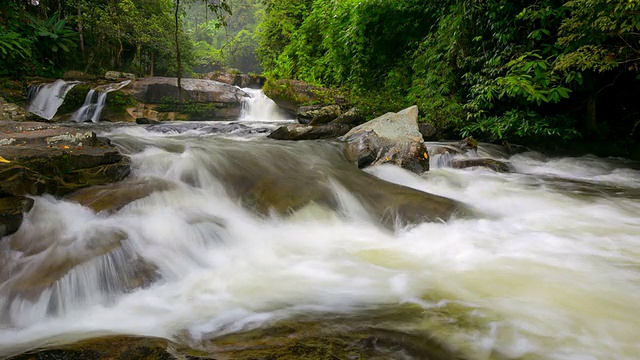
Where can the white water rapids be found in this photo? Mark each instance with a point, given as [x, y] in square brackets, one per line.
[549, 269]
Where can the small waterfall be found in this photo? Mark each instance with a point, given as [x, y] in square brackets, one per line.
[258, 107]
[90, 110]
[45, 99]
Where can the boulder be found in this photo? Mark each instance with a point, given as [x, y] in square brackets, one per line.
[317, 114]
[157, 89]
[37, 158]
[391, 138]
[220, 76]
[116, 75]
[351, 117]
[309, 132]
[428, 131]
[291, 94]
[252, 81]
[77, 75]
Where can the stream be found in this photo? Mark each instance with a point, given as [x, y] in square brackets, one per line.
[547, 268]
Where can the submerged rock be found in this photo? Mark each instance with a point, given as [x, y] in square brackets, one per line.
[309, 132]
[12, 209]
[492, 164]
[296, 180]
[146, 121]
[115, 196]
[391, 138]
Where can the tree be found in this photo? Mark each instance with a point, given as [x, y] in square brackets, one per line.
[219, 9]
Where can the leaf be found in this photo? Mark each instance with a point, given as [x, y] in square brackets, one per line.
[3, 160]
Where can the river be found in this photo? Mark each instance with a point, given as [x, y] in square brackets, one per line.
[548, 268]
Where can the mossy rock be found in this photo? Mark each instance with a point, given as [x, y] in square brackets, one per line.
[74, 99]
[118, 101]
[291, 94]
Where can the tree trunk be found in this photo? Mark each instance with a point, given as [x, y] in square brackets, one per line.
[81, 35]
[592, 117]
[177, 14]
[197, 34]
[153, 59]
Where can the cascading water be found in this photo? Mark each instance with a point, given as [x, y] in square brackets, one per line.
[44, 100]
[548, 268]
[93, 105]
[258, 107]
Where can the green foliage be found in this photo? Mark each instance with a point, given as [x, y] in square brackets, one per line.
[520, 125]
[12, 45]
[53, 34]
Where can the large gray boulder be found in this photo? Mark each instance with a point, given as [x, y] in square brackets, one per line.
[391, 138]
[154, 90]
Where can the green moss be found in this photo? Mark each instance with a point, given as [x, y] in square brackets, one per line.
[118, 101]
[194, 111]
[283, 89]
[74, 99]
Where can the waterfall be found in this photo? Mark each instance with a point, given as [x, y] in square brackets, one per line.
[258, 107]
[90, 110]
[45, 99]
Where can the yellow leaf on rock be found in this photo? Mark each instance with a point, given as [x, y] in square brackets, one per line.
[3, 160]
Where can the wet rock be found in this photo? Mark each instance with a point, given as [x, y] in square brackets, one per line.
[212, 128]
[38, 158]
[318, 114]
[113, 197]
[351, 117]
[468, 144]
[260, 186]
[392, 138]
[111, 348]
[492, 164]
[309, 132]
[12, 209]
[428, 131]
[146, 121]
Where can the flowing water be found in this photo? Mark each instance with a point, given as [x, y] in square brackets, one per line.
[94, 102]
[45, 99]
[548, 268]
